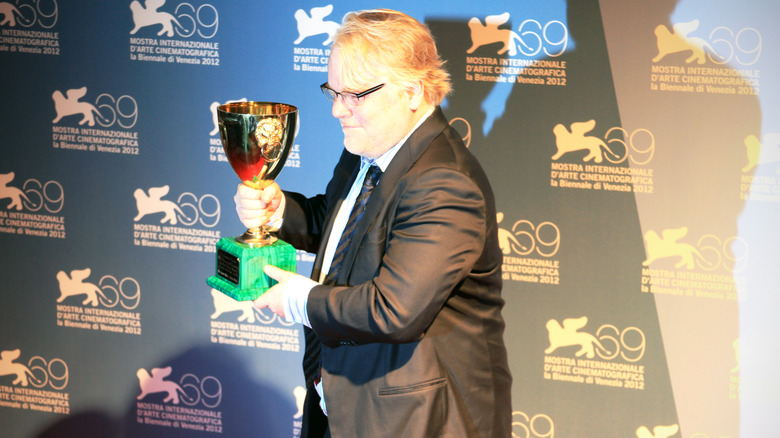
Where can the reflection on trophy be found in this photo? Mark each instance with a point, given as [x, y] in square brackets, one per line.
[257, 137]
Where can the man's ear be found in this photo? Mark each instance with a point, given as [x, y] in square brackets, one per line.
[416, 96]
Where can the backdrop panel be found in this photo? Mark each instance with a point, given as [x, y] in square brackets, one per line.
[634, 148]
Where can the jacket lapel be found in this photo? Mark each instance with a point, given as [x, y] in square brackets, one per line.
[407, 155]
[346, 172]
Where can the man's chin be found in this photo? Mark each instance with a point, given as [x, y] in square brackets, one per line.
[354, 147]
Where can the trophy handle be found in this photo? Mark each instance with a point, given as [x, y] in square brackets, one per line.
[268, 135]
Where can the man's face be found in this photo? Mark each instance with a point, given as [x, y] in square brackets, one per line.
[379, 122]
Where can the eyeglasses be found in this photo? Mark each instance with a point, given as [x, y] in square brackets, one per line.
[351, 99]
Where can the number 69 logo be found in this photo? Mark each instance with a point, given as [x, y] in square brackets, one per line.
[538, 426]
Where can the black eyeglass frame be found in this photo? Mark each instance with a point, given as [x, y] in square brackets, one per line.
[326, 90]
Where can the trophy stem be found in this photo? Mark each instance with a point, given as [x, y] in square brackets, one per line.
[258, 236]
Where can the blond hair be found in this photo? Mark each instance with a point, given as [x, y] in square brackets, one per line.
[383, 42]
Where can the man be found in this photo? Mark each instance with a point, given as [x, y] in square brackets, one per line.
[407, 339]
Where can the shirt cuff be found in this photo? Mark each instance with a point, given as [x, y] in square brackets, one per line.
[295, 299]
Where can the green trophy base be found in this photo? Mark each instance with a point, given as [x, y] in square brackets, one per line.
[240, 267]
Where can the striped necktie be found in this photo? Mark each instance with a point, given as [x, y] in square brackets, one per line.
[370, 181]
[311, 357]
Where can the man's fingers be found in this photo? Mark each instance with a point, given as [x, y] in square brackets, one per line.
[248, 198]
[272, 300]
[250, 204]
[260, 302]
[276, 273]
[246, 192]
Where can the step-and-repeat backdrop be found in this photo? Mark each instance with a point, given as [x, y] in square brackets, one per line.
[634, 148]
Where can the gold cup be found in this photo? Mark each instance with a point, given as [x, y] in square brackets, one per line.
[256, 137]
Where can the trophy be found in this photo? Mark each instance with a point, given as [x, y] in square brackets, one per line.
[257, 137]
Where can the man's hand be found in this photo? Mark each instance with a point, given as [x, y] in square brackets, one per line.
[254, 206]
[273, 297]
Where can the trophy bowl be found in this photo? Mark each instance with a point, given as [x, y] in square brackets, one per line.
[256, 137]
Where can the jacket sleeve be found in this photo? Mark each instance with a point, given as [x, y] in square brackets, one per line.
[303, 221]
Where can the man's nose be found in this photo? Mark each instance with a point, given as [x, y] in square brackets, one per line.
[339, 108]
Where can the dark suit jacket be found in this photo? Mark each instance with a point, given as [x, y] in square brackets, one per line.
[412, 335]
